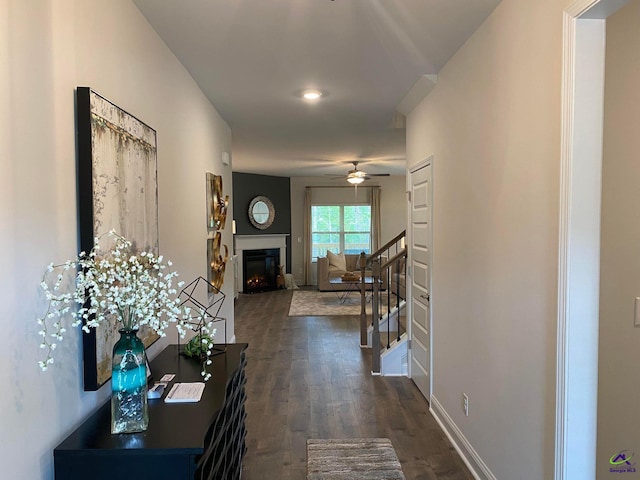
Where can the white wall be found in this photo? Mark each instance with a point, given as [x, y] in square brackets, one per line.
[48, 48]
[493, 125]
[619, 355]
[392, 211]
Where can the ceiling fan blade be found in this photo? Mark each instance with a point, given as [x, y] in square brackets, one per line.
[334, 177]
[378, 174]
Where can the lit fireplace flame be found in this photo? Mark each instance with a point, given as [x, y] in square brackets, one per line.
[257, 281]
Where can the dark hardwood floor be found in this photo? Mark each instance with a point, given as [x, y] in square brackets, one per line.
[308, 378]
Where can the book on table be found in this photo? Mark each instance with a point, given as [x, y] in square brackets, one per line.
[350, 277]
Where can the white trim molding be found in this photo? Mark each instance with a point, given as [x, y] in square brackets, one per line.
[566, 157]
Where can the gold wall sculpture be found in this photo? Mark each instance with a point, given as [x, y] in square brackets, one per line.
[217, 203]
[217, 260]
[217, 253]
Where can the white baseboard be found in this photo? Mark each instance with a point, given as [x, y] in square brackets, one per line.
[469, 456]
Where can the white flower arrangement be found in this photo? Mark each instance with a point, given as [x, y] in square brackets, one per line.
[115, 285]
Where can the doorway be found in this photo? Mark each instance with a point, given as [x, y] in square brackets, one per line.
[579, 244]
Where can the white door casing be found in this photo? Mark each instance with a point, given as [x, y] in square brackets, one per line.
[420, 277]
[578, 259]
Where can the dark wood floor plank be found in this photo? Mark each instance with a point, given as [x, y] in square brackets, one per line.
[307, 377]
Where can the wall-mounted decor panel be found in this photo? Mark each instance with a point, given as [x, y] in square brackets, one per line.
[117, 190]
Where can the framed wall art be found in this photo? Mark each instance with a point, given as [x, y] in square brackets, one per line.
[117, 189]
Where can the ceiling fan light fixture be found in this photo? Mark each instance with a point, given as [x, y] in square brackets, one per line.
[355, 179]
[311, 94]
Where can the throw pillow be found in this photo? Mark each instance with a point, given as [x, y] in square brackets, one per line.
[336, 261]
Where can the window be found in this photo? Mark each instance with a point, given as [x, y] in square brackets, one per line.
[340, 228]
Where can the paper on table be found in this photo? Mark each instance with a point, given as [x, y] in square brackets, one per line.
[185, 393]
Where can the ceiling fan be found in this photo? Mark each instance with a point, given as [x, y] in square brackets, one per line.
[356, 177]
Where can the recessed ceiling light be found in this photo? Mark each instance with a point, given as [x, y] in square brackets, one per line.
[312, 94]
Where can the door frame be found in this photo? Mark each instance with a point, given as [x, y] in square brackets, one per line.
[579, 237]
[430, 160]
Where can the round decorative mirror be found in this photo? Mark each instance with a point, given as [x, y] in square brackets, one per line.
[261, 212]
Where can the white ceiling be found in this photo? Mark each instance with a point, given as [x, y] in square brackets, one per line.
[252, 58]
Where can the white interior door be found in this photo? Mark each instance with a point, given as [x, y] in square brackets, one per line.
[420, 258]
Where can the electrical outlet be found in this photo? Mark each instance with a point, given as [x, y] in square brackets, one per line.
[465, 404]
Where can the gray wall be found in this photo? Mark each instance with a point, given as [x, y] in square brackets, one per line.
[247, 186]
[619, 352]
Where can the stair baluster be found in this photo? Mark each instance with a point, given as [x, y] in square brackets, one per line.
[375, 338]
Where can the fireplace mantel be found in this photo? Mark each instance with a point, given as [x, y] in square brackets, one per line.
[255, 242]
[250, 242]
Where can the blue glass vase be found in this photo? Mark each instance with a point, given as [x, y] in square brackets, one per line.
[129, 384]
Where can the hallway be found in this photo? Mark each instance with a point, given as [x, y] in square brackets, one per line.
[308, 378]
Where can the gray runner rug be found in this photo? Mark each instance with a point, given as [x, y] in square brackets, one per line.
[354, 458]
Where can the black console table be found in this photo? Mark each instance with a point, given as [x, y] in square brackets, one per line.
[204, 440]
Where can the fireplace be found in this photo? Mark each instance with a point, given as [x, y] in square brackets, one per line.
[246, 243]
[260, 269]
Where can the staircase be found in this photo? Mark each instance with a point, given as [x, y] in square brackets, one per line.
[385, 329]
[393, 341]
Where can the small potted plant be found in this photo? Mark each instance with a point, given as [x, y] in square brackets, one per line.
[199, 347]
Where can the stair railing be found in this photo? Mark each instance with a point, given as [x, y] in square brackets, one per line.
[382, 263]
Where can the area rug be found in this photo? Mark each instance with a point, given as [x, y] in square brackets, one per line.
[309, 303]
[355, 458]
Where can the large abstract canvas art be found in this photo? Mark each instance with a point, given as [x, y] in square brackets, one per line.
[117, 190]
